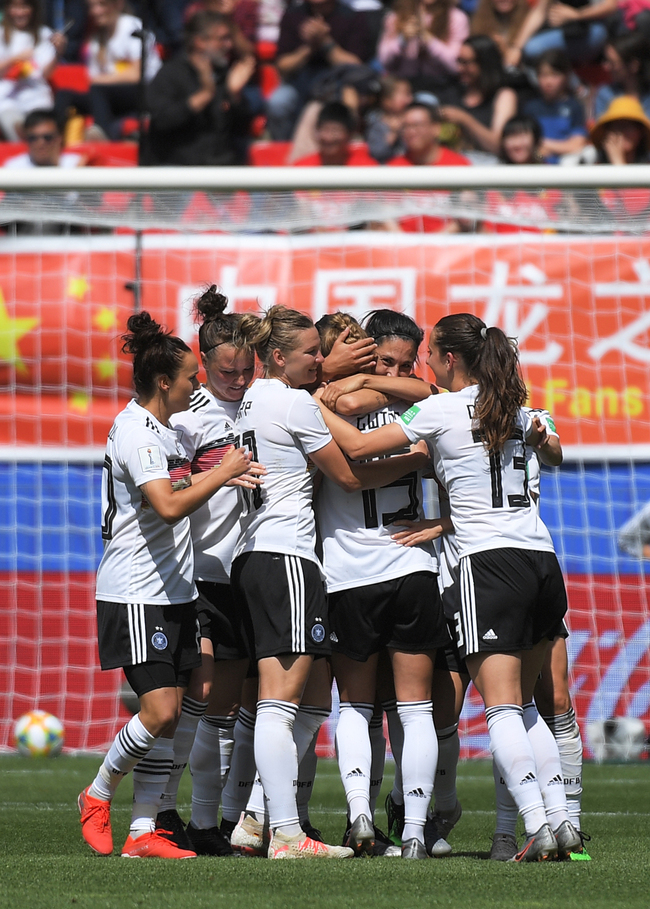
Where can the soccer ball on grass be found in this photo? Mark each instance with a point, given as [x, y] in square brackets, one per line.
[38, 734]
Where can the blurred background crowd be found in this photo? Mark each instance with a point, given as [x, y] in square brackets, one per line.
[324, 82]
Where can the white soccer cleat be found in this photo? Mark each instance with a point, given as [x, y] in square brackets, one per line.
[303, 847]
[248, 837]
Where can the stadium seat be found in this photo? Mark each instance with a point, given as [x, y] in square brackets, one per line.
[269, 154]
[70, 76]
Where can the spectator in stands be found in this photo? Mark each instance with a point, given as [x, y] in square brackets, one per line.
[628, 60]
[197, 112]
[334, 129]
[384, 123]
[28, 53]
[72, 16]
[113, 56]
[559, 113]
[242, 16]
[44, 144]
[480, 104]
[314, 36]
[520, 210]
[500, 20]
[520, 141]
[421, 140]
[577, 27]
[622, 134]
[421, 41]
[44, 149]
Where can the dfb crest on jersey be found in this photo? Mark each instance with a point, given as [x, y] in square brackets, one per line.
[318, 633]
[159, 641]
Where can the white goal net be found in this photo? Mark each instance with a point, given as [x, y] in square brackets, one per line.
[559, 260]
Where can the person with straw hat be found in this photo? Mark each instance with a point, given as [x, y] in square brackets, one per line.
[622, 134]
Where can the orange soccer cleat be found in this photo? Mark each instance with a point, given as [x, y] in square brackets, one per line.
[153, 845]
[96, 823]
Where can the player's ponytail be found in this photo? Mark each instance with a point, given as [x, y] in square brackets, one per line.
[155, 352]
[491, 358]
[276, 330]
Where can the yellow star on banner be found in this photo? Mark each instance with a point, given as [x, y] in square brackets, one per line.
[105, 319]
[79, 402]
[78, 286]
[106, 368]
[11, 331]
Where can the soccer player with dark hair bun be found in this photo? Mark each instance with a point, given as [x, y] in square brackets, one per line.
[205, 733]
[146, 616]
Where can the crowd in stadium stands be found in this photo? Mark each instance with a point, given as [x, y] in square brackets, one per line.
[325, 82]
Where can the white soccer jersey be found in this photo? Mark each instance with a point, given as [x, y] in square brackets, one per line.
[145, 560]
[282, 426]
[208, 431]
[355, 528]
[448, 556]
[534, 465]
[31, 90]
[122, 48]
[488, 495]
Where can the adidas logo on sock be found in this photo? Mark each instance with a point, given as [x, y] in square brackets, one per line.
[356, 772]
[416, 793]
[556, 781]
[529, 778]
[490, 635]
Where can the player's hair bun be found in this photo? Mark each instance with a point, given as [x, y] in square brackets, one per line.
[141, 332]
[210, 305]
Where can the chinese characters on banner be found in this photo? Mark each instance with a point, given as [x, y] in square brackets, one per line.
[580, 309]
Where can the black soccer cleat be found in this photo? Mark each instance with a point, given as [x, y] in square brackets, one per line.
[208, 842]
[170, 826]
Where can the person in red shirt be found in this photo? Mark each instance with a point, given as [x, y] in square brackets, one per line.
[334, 130]
[421, 141]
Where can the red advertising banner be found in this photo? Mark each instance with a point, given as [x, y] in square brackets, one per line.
[576, 306]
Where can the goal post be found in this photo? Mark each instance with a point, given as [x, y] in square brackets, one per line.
[557, 257]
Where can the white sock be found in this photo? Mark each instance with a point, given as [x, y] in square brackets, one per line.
[444, 787]
[308, 722]
[256, 804]
[239, 784]
[354, 756]
[209, 765]
[513, 752]
[306, 775]
[276, 758]
[396, 738]
[419, 760]
[566, 731]
[191, 713]
[378, 752]
[549, 768]
[130, 745]
[506, 809]
[150, 778]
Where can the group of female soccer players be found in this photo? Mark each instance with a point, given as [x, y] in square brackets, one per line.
[262, 534]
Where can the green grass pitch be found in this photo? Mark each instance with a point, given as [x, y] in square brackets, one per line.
[44, 863]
